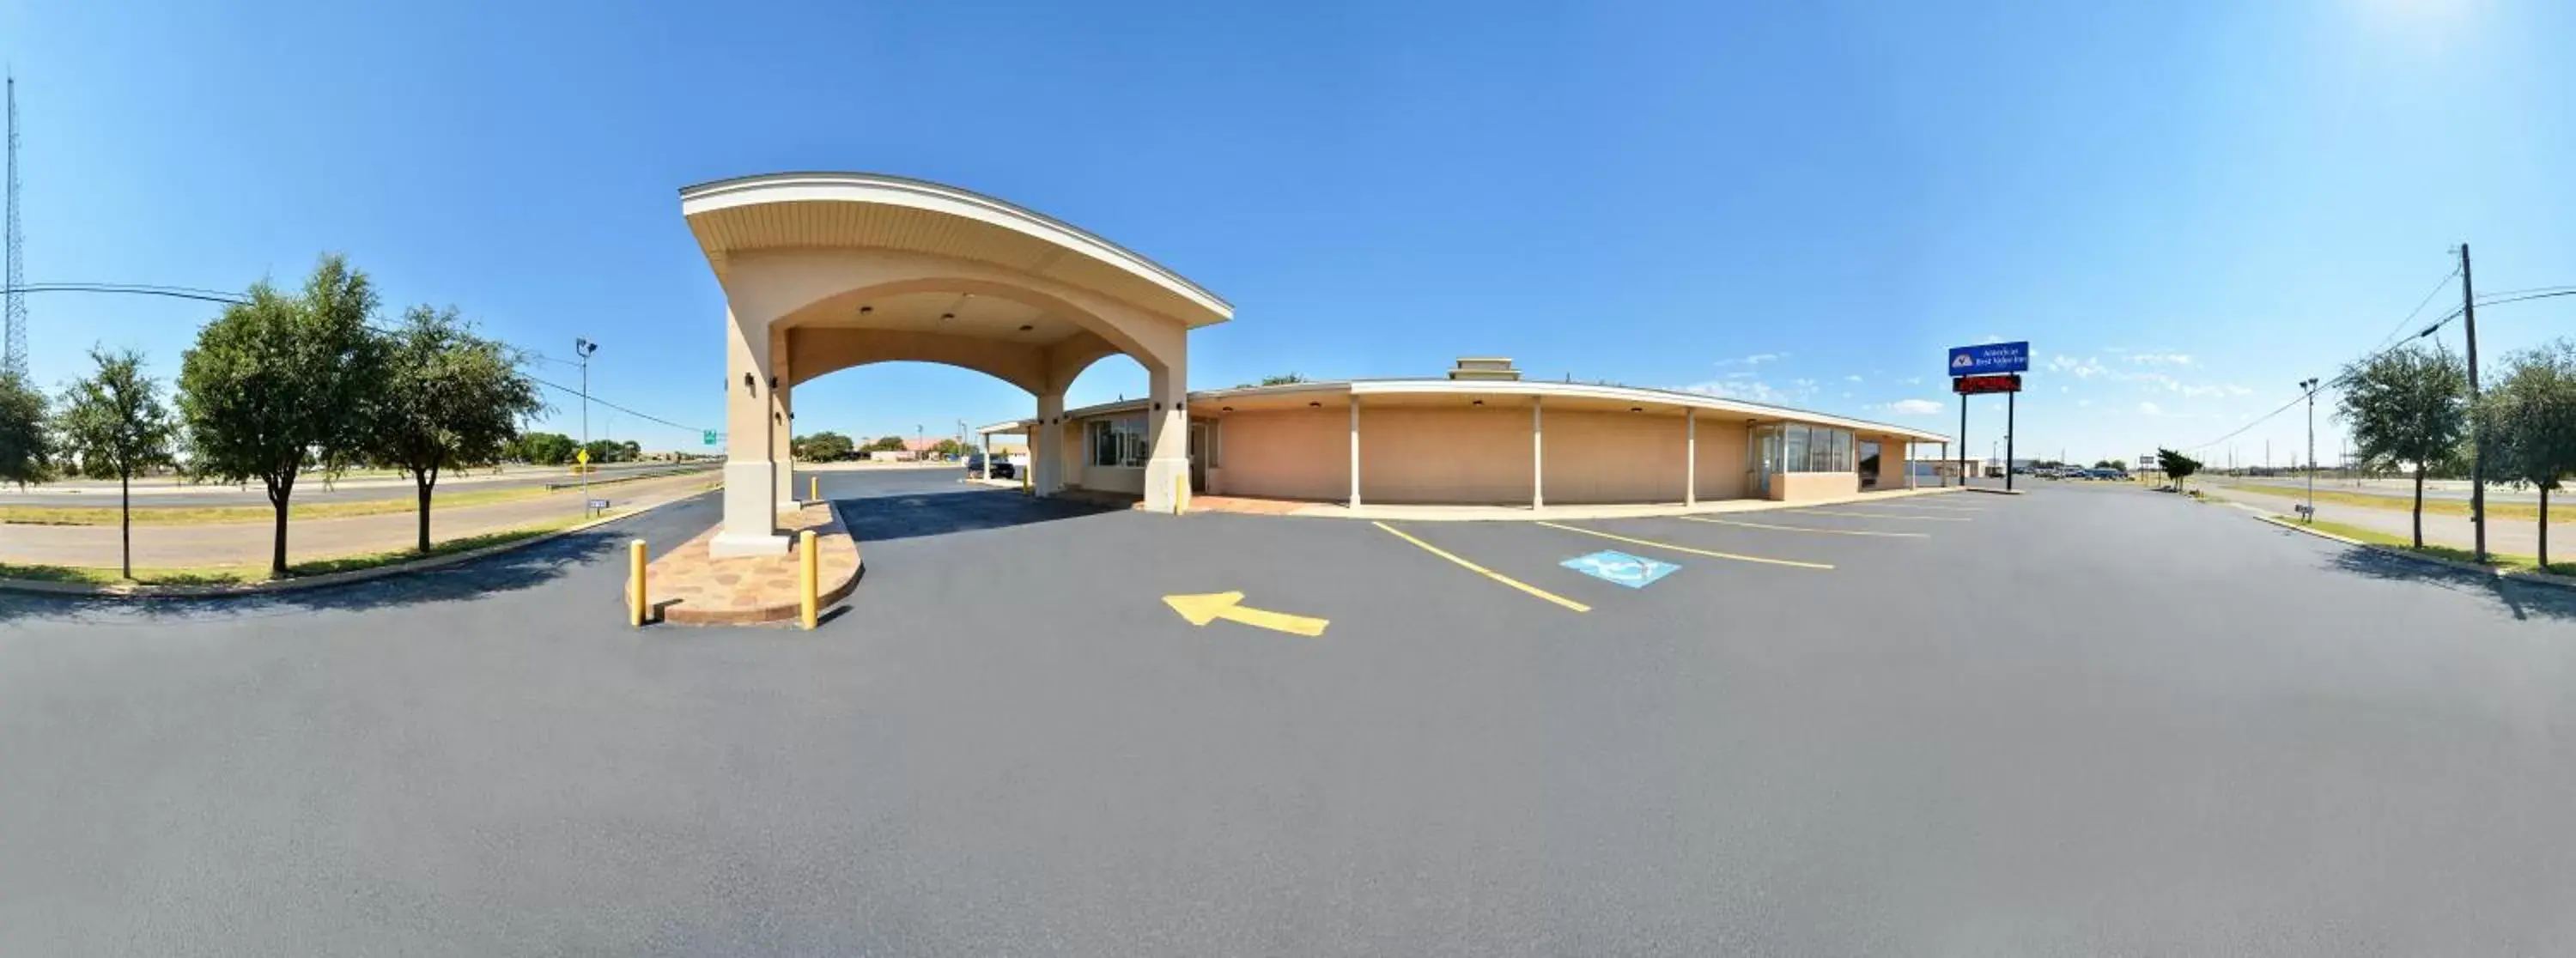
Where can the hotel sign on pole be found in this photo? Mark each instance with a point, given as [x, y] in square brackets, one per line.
[1980, 385]
[1990, 358]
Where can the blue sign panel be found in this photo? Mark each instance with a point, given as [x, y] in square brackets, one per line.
[1990, 358]
[1620, 568]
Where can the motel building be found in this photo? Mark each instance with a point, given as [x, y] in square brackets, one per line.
[826, 271]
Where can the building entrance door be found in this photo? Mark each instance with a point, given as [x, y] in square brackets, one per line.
[1762, 459]
[1201, 443]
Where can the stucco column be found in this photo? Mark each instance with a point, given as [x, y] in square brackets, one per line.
[1046, 459]
[750, 478]
[1355, 450]
[1538, 453]
[1167, 434]
[1690, 457]
[782, 413]
[1908, 446]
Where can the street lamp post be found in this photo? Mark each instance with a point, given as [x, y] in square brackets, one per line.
[2309, 386]
[583, 347]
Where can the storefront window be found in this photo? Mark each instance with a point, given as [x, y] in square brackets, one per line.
[1117, 442]
[1815, 449]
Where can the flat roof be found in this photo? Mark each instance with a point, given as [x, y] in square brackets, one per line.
[1444, 387]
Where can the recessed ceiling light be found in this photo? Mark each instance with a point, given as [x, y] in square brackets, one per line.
[1636, 409]
[1315, 405]
[864, 310]
[944, 317]
[1024, 327]
[1479, 402]
[1225, 409]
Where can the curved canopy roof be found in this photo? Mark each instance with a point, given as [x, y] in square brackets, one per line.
[875, 211]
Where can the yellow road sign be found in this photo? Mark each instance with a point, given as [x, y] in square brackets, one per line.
[582, 457]
[1203, 608]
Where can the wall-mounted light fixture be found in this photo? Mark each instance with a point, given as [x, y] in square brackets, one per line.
[1479, 402]
[1024, 327]
[864, 310]
[1636, 409]
[1314, 405]
[1225, 409]
[750, 385]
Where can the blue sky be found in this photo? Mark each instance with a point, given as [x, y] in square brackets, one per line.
[2185, 207]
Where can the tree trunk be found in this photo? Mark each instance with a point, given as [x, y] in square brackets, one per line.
[2544, 528]
[423, 481]
[125, 518]
[2419, 505]
[277, 497]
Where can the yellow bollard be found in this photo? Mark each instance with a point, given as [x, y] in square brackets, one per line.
[809, 575]
[1179, 505]
[641, 605]
[814, 488]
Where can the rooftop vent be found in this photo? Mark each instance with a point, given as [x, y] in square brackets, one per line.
[1486, 368]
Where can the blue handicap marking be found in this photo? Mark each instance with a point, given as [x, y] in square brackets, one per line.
[1620, 568]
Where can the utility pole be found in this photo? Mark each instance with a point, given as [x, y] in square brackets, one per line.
[1963, 440]
[13, 305]
[583, 348]
[2309, 386]
[2477, 441]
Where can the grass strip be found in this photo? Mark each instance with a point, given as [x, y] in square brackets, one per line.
[2518, 511]
[2376, 537]
[403, 502]
[247, 574]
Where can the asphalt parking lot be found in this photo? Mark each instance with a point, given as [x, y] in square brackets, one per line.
[2090, 720]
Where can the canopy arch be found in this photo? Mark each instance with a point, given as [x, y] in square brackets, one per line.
[824, 271]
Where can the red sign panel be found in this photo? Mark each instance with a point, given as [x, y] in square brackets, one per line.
[1977, 385]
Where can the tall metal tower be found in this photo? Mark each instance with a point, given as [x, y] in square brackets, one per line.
[13, 312]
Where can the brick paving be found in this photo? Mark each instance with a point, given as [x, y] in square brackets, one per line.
[689, 587]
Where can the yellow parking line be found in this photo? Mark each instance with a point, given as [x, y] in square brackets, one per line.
[1920, 505]
[1830, 532]
[1696, 552]
[1881, 515]
[1487, 573]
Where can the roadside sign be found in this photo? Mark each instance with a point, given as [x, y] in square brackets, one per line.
[708, 436]
[582, 457]
[1990, 358]
[599, 503]
[1979, 385]
[1620, 568]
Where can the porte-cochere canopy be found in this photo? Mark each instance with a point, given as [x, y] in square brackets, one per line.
[824, 271]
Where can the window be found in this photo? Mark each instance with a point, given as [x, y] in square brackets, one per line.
[1815, 449]
[1117, 442]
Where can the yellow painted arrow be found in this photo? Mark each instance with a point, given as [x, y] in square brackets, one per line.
[1206, 607]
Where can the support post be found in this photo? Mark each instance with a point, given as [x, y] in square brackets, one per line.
[1538, 454]
[2477, 436]
[809, 580]
[1963, 440]
[1355, 450]
[1690, 457]
[642, 604]
[1046, 439]
[2008, 437]
[750, 475]
[1167, 437]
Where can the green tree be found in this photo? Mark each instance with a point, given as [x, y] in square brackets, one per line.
[546, 448]
[631, 450]
[1283, 379]
[886, 444]
[114, 426]
[282, 385]
[2176, 465]
[822, 447]
[450, 399]
[2407, 405]
[2529, 420]
[26, 442]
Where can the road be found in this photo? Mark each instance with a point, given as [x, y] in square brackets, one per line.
[164, 491]
[249, 544]
[2088, 720]
[2509, 536]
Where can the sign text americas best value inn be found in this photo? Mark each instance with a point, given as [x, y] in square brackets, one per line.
[1990, 358]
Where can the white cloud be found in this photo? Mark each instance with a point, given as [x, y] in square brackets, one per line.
[2081, 403]
[2085, 368]
[1846, 395]
[2149, 409]
[1852, 378]
[1754, 360]
[1755, 390]
[1741, 374]
[1914, 380]
[2161, 359]
[1914, 407]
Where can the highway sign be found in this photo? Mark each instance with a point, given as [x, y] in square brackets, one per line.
[1990, 358]
[1979, 385]
[582, 457]
[708, 436]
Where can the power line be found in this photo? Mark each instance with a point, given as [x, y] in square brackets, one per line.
[2419, 306]
[645, 416]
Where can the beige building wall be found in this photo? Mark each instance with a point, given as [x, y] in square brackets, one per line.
[1721, 458]
[1805, 486]
[1432, 455]
[1298, 454]
[1614, 457]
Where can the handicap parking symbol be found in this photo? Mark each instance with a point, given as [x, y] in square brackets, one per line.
[1620, 568]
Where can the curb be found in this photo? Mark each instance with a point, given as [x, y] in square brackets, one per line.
[769, 614]
[2535, 578]
[130, 591]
